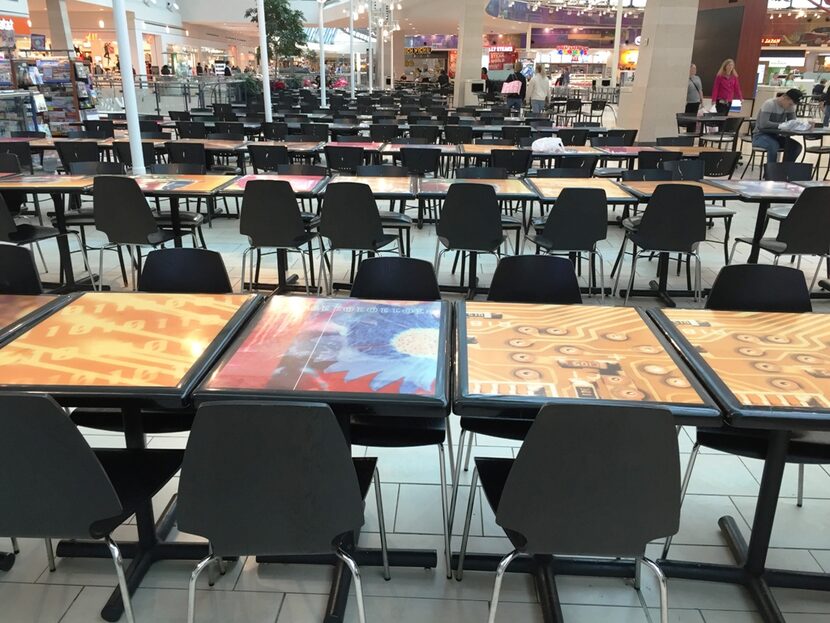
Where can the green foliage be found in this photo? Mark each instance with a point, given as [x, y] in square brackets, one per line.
[283, 27]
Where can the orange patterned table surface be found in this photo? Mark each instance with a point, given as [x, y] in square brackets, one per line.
[295, 146]
[47, 182]
[569, 351]
[300, 184]
[380, 185]
[549, 188]
[395, 148]
[646, 188]
[765, 359]
[118, 340]
[14, 307]
[181, 184]
[508, 187]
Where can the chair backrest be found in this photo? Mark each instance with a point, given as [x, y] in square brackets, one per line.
[572, 136]
[628, 136]
[301, 169]
[50, 479]
[691, 170]
[608, 141]
[270, 216]
[76, 151]
[350, 218]
[121, 211]
[471, 218]
[381, 170]
[27, 134]
[148, 126]
[807, 226]
[565, 171]
[458, 134]
[719, 163]
[123, 153]
[515, 132]
[675, 141]
[647, 175]
[301, 138]
[515, 161]
[192, 271]
[191, 129]
[268, 157]
[9, 163]
[655, 159]
[274, 131]
[18, 271]
[163, 136]
[760, 287]
[506, 142]
[230, 127]
[428, 132]
[788, 171]
[343, 159]
[396, 278]
[481, 173]
[622, 489]
[571, 161]
[674, 219]
[100, 126]
[22, 151]
[320, 131]
[179, 115]
[380, 132]
[535, 279]
[97, 168]
[221, 136]
[168, 168]
[420, 161]
[284, 467]
[186, 153]
[578, 220]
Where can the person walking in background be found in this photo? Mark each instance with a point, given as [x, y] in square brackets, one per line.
[772, 114]
[538, 90]
[726, 87]
[199, 69]
[694, 93]
[514, 101]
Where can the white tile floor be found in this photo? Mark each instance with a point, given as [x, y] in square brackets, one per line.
[253, 593]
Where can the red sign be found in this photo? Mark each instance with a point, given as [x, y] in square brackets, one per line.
[770, 40]
[502, 60]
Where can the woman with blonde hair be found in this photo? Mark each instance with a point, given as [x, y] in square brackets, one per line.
[726, 87]
[538, 90]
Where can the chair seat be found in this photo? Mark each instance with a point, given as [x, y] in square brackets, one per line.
[718, 212]
[187, 219]
[824, 284]
[503, 428]
[767, 244]
[160, 237]
[805, 447]
[309, 218]
[388, 217]
[397, 432]
[296, 243]
[779, 213]
[609, 171]
[136, 476]
[27, 233]
[151, 421]
[492, 474]
[817, 150]
[632, 223]
[510, 222]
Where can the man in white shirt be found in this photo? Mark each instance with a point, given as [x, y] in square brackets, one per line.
[538, 90]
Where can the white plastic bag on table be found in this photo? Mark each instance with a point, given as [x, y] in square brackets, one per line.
[549, 145]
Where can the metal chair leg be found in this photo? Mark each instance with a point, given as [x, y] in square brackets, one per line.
[800, 499]
[617, 268]
[191, 587]
[447, 548]
[459, 571]
[500, 571]
[358, 584]
[122, 581]
[242, 280]
[664, 587]
[15, 545]
[50, 553]
[631, 276]
[451, 453]
[42, 259]
[305, 273]
[687, 477]
[469, 452]
[456, 479]
[85, 260]
[384, 549]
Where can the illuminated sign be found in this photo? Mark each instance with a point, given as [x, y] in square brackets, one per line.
[6, 24]
[499, 48]
[420, 51]
[770, 40]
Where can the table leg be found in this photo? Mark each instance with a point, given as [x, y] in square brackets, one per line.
[660, 285]
[282, 268]
[473, 275]
[67, 275]
[176, 221]
[760, 226]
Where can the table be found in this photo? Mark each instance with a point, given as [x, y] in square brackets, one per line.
[175, 187]
[643, 190]
[387, 358]
[300, 148]
[692, 151]
[626, 152]
[130, 351]
[768, 371]
[549, 188]
[57, 187]
[372, 148]
[514, 358]
[764, 194]
[214, 146]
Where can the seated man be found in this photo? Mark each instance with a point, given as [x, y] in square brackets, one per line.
[772, 114]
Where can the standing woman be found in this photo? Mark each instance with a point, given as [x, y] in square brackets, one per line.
[538, 90]
[694, 94]
[726, 87]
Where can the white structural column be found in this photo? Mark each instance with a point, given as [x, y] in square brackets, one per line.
[263, 61]
[615, 55]
[471, 28]
[59, 28]
[369, 46]
[351, 48]
[136, 42]
[392, 48]
[528, 42]
[659, 88]
[382, 75]
[321, 5]
[119, 12]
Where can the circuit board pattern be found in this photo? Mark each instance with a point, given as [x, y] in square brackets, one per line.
[765, 359]
[569, 351]
[13, 307]
[111, 340]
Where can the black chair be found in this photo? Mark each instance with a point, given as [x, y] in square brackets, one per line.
[319, 131]
[176, 168]
[458, 134]
[162, 136]
[572, 136]
[122, 214]
[301, 169]
[514, 161]
[542, 279]
[609, 511]
[596, 111]
[628, 136]
[383, 132]
[224, 136]
[184, 270]
[728, 133]
[420, 161]
[758, 288]
[350, 221]
[786, 172]
[349, 138]
[179, 115]
[429, 133]
[674, 221]
[571, 114]
[123, 153]
[515, 132]
[271, 219]
[647, 175]
[574, 225]
[237, 128]
[268, 157]
[18, 272]
[252, 500]
[223, 111]
[805, 230]
[191, 129]
[394, 278]
[145, 125]
[381, 170]
[655, 159]
[23, 151]
[14, 156]
[101, 127]
[688, 170]
[719, 163]
[343, 159]
[494, 141]
[186, 153]
[563, 172]
[54, 485]
[97, 168]
[76, 151]
[274, 131]
[675, 141]
[571, 161]
[481, 173]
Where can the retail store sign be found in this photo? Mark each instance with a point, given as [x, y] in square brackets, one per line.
[423, 50]
[499, 48]
[770, 40]
[19, 25]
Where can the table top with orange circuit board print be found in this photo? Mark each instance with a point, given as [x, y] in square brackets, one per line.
[103, 349]
[512, 358]
[768, 370]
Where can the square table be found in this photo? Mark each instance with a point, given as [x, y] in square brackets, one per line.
[300, 148]
[385, 358]
[692, 151]
[304, 186]
[401, 188]
[549, 188]
[768, 371]
[57, 187]
[764, 194]
[19, 311]
[221, 147]
[131, 351]
[512, 359]
[643, 190]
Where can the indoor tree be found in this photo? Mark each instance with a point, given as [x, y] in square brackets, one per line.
[284, 28]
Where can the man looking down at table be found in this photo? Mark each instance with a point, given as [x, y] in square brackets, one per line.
[771, 115]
